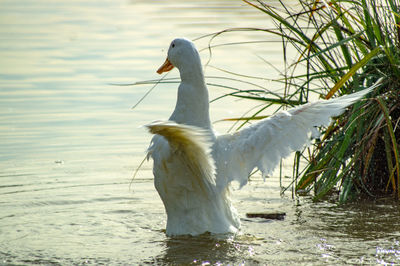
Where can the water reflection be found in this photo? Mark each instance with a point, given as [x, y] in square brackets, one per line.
[204, 249]
[362, 220]
[344, 230]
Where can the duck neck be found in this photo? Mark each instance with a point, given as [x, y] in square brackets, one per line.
[192, 74]
[192, 106]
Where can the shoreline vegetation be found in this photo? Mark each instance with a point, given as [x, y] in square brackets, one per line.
[343, 47]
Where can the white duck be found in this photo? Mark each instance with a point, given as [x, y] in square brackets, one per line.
[193, 168]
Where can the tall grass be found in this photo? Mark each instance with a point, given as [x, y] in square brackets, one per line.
[343, 47]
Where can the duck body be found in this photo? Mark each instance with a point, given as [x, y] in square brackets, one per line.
[193, 206]
[191, 210]
[193, 168]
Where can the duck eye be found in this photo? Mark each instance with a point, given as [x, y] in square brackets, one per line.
[173, 45]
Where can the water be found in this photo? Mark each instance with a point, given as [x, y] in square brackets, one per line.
[69, 143]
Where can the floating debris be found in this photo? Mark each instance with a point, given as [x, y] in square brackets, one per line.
[265, 215]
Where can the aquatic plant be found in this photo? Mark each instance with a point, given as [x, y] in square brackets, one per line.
[343, 47]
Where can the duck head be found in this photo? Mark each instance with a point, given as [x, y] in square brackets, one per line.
[182, 54]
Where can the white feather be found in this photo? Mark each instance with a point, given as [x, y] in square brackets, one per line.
[263, 144]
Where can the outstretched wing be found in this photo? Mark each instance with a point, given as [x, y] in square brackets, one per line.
[263, 144]
[192, 146]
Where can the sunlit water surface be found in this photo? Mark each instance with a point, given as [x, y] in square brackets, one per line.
[69, 142]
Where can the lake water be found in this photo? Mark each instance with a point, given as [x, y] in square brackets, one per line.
[70, 142]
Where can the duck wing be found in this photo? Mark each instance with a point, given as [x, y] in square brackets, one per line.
[192, 146]
[264, 143]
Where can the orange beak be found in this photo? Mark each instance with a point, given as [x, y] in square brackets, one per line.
[167, 66]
